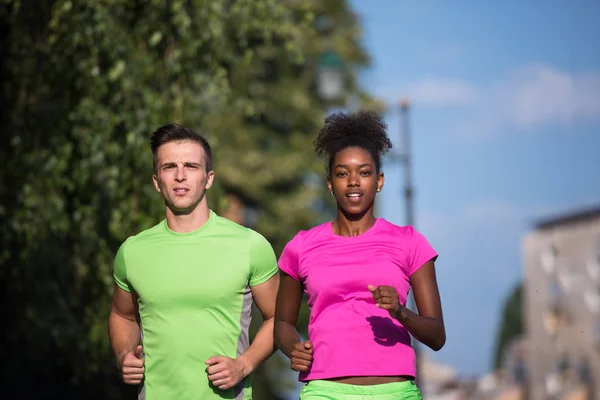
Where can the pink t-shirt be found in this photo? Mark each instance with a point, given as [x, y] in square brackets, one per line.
[350, 334]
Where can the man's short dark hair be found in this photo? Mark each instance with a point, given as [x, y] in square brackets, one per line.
[177, 133]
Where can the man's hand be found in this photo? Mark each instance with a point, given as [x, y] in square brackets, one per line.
[224, 372]
[386, 297]
[132, 367]
[302, 356]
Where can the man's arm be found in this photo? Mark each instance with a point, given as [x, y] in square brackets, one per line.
[224, 372]
[263, 345]
[124, 334]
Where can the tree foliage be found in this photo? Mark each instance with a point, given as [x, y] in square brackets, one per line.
[511, 323]
[83, 84]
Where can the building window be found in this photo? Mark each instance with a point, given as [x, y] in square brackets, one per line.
[565, 279]
[553, 384]
[548, 259]
[555, 292]
[550, 320]
[520, 371]
[585, 375]
[555, 313]
[593, 268]
[597, 333]
[563, 365]
[592, 300]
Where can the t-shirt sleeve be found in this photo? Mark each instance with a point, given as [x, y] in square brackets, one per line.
[120, 270]
[420, 251]
[263, 263]
[288, 262]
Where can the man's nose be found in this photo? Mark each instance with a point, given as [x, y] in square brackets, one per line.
[180, 175]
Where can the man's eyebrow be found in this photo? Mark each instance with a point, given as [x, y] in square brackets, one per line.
[186, 163]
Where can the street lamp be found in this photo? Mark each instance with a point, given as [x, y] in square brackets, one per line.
[406, 160]
[330, 76]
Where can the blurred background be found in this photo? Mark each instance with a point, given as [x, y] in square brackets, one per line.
[494, 112]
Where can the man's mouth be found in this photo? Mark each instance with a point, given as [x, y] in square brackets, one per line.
[181, 190]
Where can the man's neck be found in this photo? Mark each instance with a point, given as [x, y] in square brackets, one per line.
[184, 223]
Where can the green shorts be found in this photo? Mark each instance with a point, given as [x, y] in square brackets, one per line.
[327, 390]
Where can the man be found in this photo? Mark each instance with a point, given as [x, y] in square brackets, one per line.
[189, 283]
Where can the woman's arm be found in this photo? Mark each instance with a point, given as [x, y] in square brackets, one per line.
[289, 299]
[287, 307]
[428, 325]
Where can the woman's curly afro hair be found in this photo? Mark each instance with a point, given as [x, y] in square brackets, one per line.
[364, 129]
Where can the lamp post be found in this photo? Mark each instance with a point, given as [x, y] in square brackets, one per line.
[330, 76]
[406, 161]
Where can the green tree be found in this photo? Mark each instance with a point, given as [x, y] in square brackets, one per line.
[511, 323]
[83, 84]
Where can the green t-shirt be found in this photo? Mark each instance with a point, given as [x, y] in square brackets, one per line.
[194, 301]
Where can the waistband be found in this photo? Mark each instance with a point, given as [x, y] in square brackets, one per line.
[366, 390]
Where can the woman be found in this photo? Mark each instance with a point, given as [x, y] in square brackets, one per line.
[357, 272]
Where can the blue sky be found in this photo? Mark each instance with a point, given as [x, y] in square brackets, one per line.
[506, 129]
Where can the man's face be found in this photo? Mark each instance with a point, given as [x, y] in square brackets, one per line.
[181, 175]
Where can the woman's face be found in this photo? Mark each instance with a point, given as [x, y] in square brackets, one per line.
[354, 180]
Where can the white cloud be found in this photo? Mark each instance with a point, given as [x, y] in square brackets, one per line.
[541, 95]
[526, 98]
[431, 93]
[440, 93]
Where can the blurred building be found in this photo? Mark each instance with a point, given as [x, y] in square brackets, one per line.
[562, 307]
[438, 381]
[509, 381]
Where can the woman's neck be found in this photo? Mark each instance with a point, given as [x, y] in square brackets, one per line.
[345, 225]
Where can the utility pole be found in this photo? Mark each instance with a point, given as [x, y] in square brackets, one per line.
[406, 160]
